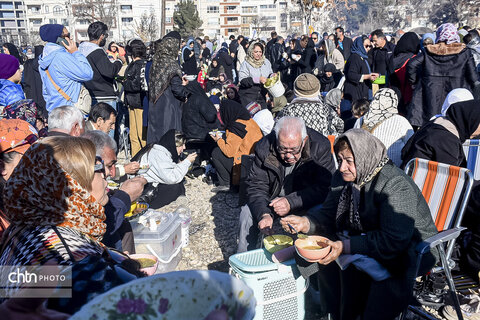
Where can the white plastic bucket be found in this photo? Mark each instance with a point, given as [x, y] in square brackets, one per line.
[277, 90]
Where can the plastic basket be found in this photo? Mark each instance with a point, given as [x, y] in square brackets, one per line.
[277, 90]
[278, 287]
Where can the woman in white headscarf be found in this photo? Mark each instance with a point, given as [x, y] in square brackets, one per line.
[383, 121]
[333, 55]
[454, 96]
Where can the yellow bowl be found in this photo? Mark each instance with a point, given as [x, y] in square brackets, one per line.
[132, 208]
[277, 242]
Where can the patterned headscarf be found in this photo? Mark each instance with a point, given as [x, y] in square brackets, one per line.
[251, 60]
[383, 106]
[164, 67]
[448, 33]
[370, 157]
[25, 109]
[41, 193]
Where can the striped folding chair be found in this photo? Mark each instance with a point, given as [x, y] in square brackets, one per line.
[446, 189]
[470, 149]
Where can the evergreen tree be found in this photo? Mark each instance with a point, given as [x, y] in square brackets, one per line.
[186, 19]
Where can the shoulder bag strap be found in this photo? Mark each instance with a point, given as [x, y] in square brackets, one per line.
[64, 243]
[57, 87]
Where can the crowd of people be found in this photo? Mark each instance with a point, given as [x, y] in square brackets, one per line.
[324, 157]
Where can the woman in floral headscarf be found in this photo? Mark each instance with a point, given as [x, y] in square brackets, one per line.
[376, 212]
[166, 89]
[253, 74]
[444, 66]
[56, 184]
[383, 121]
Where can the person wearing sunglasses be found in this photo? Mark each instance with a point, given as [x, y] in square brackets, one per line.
[382, 53]
[290, 174]
[102, 87]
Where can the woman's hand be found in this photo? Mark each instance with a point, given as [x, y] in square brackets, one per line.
[132, 167]
[263, 80]
[217, 136]
[373, 76]
[337, 248]
[301, 224]
[192, 53]
[184, 81]
[191, 157]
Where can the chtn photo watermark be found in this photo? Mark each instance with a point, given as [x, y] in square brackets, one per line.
[35, 282]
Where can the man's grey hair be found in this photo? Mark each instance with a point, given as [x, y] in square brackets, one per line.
[65, 118]
[101, 140]
[291, 126]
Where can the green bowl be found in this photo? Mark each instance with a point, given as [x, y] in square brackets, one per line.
[277, 242]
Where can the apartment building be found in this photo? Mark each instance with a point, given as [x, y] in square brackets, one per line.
[12, 22]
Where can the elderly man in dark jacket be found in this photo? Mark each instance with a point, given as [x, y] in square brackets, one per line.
[291, 173]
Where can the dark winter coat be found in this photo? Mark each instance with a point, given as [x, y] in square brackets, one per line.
[276, 58]
[308, 59]
[189, 62]
[435, 73]
[393, 213]
[166, 112]
[199, 113]
[347, 47]
[32, 82]
[354, 69]
[103, 83]
[269, 48]
[435, 142]
[227, 62]
[382, 59]
[135, 84]
[310, 178]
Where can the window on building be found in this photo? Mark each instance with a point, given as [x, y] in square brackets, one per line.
[168, 19]
[284, 25]
[232, 30]
[18, 6]
[46, 9]
[52, 21]
[232, 9]
[21, 23]
[245, 30]
[270, 18]
[213, 21]
[20, 14]
[57, 10]
[36, 22]
[268, 6]
[232, 19]
[213, 9]
[82, 34]
[127, 20]
[250, 9]
[246, 20]
[126, 8]
[282, 5]
[7, 14]
[6, 5]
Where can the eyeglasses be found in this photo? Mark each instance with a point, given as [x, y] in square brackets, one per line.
[292, 151]
[369, 46]
[314, 38]
[99, 165]
[30, 139]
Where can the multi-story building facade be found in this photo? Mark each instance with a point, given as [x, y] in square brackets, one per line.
[20, 20]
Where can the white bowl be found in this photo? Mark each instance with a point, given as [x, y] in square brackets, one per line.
[190, 78]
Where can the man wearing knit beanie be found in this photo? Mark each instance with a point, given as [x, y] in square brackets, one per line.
[10, 76]
[310, 107]
[67, 68]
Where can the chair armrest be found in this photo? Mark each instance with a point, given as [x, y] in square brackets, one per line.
[439, 238]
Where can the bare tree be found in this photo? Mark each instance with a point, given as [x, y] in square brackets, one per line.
[97, 10]
[147, 27]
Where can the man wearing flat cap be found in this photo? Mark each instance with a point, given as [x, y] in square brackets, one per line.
[62, 68]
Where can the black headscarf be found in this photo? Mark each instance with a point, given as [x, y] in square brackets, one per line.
[214, 71]
[164, 65]
[465, 116]
[244, 43]
[409, 42]
[167, 141]
[13, 51]
[231, 111]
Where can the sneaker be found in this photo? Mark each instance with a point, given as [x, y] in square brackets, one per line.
[450, 314]
[221, 189]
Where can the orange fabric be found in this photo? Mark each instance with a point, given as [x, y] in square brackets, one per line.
[41, 193]
[235, 147]
[429, 180]
[331, 138]
[13, 132]
[454, 173]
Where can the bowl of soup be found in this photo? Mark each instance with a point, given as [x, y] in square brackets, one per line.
[312, 248]
[277, 242]
[148, 262]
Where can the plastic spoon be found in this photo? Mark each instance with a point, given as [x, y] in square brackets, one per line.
[299, 235]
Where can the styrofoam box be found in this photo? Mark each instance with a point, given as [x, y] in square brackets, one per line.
[166, 241]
